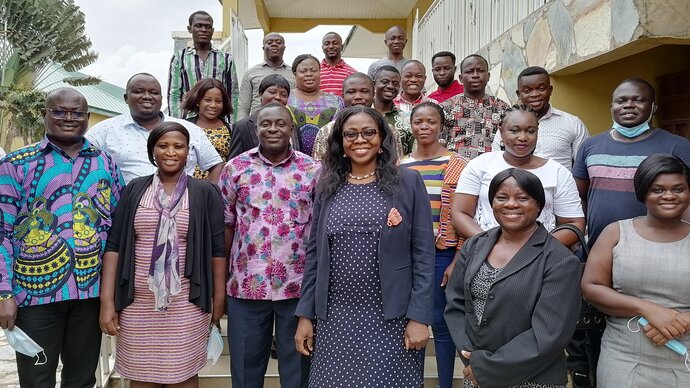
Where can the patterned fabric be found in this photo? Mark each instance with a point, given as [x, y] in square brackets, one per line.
[250, 100]
[332, 77]
[402, 130]
[452, 90]
[269, 207]
[186, 68]
[55, 213]
[406, 106]
[310, 116]
[321, 142]
[220, 139]
[471, 124]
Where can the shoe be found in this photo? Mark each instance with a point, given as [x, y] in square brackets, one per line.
[274, 352]
[581, 380]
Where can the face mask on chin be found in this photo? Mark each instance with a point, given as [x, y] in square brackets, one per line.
[632, 132]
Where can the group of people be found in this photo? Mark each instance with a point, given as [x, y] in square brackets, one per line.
[338, 215]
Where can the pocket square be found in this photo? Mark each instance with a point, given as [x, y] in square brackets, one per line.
[394, 217]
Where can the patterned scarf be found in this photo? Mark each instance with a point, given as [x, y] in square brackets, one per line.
[164, 277]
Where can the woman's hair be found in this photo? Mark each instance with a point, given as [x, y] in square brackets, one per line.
[653, 166]
[194, 96]
[161, 129]
[274, 80]
[429, 104]
[336, 166]
[516, 108]
[527, 181]
[301, 58]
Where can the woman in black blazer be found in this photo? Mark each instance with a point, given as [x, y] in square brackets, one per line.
[514, 297]
[367, 283]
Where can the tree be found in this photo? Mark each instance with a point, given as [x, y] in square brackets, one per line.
[36, 34]
[23, 108]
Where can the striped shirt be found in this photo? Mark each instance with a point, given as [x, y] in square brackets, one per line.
[186, 68]
[332, 77]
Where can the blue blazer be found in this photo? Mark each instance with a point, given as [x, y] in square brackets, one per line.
[405, 251]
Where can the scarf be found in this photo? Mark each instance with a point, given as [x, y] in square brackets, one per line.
[164, 277]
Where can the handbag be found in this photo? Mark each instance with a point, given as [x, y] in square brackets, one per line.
[590, 318]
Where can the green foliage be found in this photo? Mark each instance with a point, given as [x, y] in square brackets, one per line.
[23, 106]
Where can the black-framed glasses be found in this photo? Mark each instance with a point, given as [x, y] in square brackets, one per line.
[367, 134]
[60, 114]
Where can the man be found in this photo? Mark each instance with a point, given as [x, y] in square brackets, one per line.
[443, 68]
[200, 61]
[274, 48]
[395, 40]
[386, 89]
[57, 198]
[268, 195]
[412, 79]
[358, 90]
[334, 70]
[473, 117]
[604, 169]
[560, 133]
[124, 136]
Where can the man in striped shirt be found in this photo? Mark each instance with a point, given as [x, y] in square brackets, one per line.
[200, 61]
[334, 70]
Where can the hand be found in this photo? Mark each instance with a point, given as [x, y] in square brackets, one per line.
[8, 313]
[467, 372]
[447, 272]
[670, 323]
[655, 335]
[416, 335]
[107, 319]
[304, 336]
[218, 310]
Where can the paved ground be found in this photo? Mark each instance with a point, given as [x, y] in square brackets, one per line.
[8, 367]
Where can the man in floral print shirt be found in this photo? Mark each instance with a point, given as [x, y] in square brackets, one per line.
[268, 193]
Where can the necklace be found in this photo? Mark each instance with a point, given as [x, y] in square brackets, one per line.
[361, 177]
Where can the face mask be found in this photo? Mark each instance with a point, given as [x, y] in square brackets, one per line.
[215, 345]
[23, 344]
[636, 130]
[673, 344]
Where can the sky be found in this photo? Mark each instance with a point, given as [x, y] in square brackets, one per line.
[133, 36]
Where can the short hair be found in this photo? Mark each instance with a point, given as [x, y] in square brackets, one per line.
[203, 13]
[640, 81]
[515, 108]
[273, 104]
[441, 54]
[129, 81]
[532, 70]
[193, 97]
[390, 68]
[161, 129]
[432, 105]
[411, 62]
[359, 75]
[301, 58]
[652, 167]
[274, 80]
[332, 33]
[474, 56]
[527, 181]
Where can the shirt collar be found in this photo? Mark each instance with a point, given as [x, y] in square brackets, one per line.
[191, 50]
[129, 120]
[44, 144]
[256, 152]
[551, 112]
[265, 63]
[326, 64]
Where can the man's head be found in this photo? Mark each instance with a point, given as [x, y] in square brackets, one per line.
[274, 128]
[274, 47]
[358, 89]
[633, 102]
[201, 27]
[143, 96]
[412, 78]
[443, 68]
[395, 40]
[474, 74]
[332, 46]
[65, 116]
[534, 89]
[386, 83]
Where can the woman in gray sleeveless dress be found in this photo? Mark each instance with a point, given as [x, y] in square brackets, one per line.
[640, 267]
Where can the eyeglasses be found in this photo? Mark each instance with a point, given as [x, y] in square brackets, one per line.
[59, 114]
[367, 134]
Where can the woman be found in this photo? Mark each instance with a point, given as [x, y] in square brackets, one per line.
[207, 105]
[311, 107]
[639, 267]
[369, 261]
[440, 170]
[513, 299]
[164, 269]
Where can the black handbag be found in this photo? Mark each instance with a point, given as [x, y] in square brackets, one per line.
[590, 318]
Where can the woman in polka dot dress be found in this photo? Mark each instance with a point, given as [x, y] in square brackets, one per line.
[367, 293]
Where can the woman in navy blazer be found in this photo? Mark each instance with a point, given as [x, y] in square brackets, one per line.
[372, 223]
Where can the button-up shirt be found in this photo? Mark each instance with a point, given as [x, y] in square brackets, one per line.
[250, 100]
[55, 214]
[471, 124]
[332, 77]
[125, 140]
[186, 68]
[269, 206]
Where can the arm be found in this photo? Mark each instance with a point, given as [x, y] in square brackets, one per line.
[244, 104]
[580, 136]
[567, 206]
[233, 87]
[219, 261]
[582, 190]
[455, 314]
[567, 237]
[108, 317]
[13, 193]
[174, 87]
[214, 173]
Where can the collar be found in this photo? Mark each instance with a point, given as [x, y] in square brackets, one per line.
[551, 112]
[191, 50]
[453, 85]
[129, 120]
[326, 64]
[265, 63]
[256, 152]
[419, 100]
[44, 144]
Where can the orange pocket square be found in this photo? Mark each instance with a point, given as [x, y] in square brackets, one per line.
[394, 217]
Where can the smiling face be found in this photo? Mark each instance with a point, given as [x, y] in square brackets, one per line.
[72, 110]
[275, 93]
[358, 91]
[413, 76]
[535, 91]
[387, 86]
[668, 196]
[363, 149]
[211, 104]
[474, 76]
[308, 75]
[170, 153]
[144, 97]
[395, 40]
[443, 70]
[274, 129]
[519, 133]
[513, 208]
[426, 125]
[632, 104]
[274, 47]
[201, 29]
[332, 46]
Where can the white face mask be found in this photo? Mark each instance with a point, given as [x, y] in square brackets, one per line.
[215, 345]
[23, 344]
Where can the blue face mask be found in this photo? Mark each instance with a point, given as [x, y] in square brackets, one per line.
[636, 130]
[673, 344]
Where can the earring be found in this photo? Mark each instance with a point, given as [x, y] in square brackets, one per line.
[344, 155]
[380, 151]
